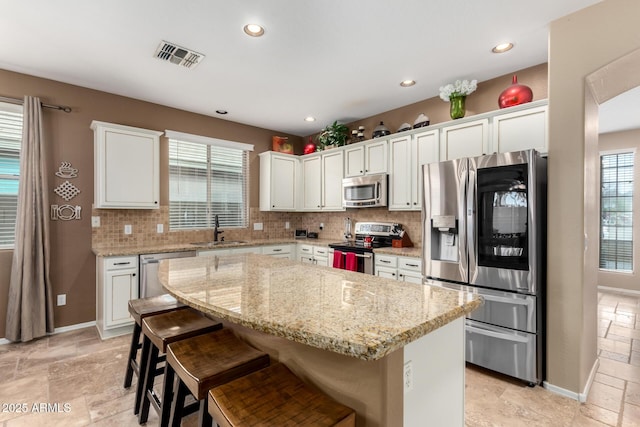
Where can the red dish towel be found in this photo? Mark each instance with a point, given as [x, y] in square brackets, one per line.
[337, 259]
[352, 262]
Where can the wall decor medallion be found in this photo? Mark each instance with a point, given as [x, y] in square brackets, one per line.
[67, 191]
[67, 171]
[65, 212]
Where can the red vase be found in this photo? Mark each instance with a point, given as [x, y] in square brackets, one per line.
[515, 94]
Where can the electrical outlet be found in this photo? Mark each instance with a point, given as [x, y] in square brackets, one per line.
[257, 226]
[321, 225]
[160, 228]
[127, 229]
[62, 299]
[407, 377]
[287, 225]
[95, 221]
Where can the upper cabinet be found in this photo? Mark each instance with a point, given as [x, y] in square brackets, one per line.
[322, 181]
[521, 130]
[468, 139]
[278, 181]
[126, 167]
[407, 155]
[366, 158]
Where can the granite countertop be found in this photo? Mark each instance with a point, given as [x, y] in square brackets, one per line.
[362, 316]
[115, 250]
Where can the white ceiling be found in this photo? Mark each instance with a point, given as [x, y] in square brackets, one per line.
[332, 59]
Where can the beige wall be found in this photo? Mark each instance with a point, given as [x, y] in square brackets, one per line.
[627, 140]
[73, 264]
[579, 45]
[70, 139]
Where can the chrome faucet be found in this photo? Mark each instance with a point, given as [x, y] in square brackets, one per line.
[216, 232]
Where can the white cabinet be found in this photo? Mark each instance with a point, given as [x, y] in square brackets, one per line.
[278, 181]
[468, 139]
[116, 284]
[521, 130]
[309, 254]
[366, 158]
[280, 251]
[407, 154]
[322, 177]
[386, 266]
[405, 269]
[410, 269]
[126, 167]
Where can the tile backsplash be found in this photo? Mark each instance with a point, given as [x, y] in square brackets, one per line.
[144, 226]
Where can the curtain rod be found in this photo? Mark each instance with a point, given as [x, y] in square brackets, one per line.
[20, 102]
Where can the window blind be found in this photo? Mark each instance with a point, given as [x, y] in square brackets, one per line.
[10, 142]
[616, 211]
[207, 178]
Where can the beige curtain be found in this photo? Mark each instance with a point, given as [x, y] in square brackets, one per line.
[30, 307]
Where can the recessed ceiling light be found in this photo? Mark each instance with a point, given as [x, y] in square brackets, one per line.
[407, 83]
[222, 111]
[309, 119]
[501, 48]
[253, 30]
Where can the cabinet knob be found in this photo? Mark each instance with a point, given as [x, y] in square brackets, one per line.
[273, 206]
[408, 203]
[134, 274]
[156, 202]
[360, 171]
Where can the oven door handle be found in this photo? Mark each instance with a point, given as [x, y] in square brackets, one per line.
[363, 256]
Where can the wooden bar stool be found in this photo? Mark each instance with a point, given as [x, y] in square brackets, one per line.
[207, 361]
[159, 331]
[139, 309]
[274, 396]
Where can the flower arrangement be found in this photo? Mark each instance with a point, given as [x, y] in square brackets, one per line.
[459, 88]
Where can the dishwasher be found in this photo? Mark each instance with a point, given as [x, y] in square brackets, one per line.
[149, 285]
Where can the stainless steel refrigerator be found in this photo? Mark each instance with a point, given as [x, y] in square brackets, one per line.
[484, 230]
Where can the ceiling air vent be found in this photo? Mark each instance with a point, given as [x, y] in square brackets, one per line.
[178, 55]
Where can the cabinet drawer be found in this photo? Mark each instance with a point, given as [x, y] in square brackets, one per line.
[412, 264]
[386, 260]
[306, 249]
[115, 263]
[276, 250]
[320, 251]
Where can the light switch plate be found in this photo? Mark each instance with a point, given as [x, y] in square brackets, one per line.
[257, 226]
[160, 228]
[287, 225]
[95, 221]
[62, 299]
[127, 229]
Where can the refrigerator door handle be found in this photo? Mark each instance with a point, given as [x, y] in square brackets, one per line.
[471, 221]
[463, 223]
[494, 334]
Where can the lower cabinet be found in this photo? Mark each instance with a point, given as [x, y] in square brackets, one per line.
[116, 284]
[405, 269]
[309, 254]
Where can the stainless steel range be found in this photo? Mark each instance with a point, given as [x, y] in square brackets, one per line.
[369, 235]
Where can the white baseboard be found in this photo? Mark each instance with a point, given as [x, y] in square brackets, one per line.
[60, 330]
[580, 397]
[618, 290]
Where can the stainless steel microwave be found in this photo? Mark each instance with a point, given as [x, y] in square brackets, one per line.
[364, 191]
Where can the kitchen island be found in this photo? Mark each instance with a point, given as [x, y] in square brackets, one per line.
[392, 351]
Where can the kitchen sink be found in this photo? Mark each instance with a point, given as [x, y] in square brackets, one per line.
[220, 243]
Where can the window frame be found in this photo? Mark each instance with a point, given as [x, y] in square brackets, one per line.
[209, 160]
[601, 211]
[6, 107]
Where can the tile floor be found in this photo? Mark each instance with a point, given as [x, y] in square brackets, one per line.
[84, 375]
